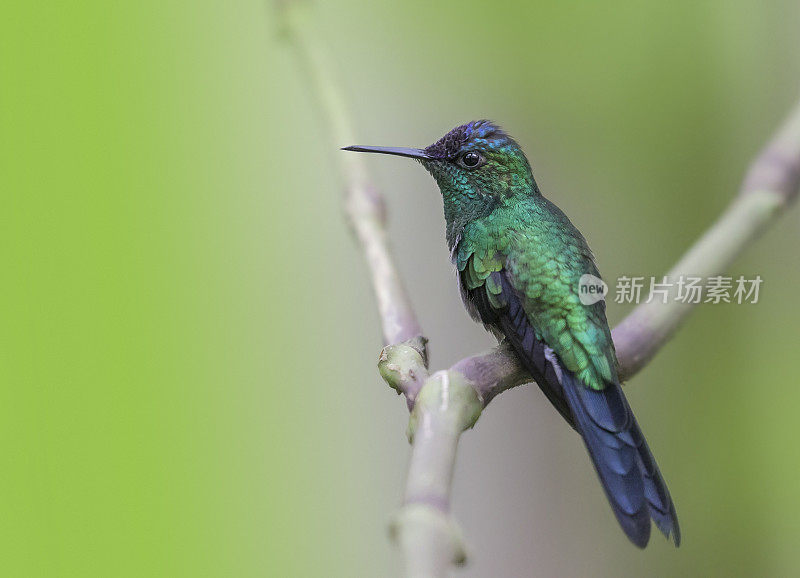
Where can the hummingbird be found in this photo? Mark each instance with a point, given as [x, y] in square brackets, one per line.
[519, 262]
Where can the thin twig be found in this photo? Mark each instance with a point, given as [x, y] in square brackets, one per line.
[365, 208]
[770, 187]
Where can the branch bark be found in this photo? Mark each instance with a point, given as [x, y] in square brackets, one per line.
[449, 402]
[770, 187]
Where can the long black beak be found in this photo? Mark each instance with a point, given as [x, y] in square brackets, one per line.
[399, 151]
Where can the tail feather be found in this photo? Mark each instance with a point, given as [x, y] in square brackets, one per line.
[624, 463]
[662, 508]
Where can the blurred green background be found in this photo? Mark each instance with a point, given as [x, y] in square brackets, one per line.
[187, 336]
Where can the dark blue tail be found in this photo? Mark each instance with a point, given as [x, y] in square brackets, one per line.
[627, 469]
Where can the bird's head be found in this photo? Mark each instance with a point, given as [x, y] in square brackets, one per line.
[475, 158]
[476, 165]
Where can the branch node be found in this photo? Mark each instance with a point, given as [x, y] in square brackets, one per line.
[364, 202]
[774, 170]
[404, 366]
[451, 398]
[426, 533]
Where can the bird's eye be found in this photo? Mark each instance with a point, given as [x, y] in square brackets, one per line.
[471, 159]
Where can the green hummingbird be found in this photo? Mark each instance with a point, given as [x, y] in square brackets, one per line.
[520, 262]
